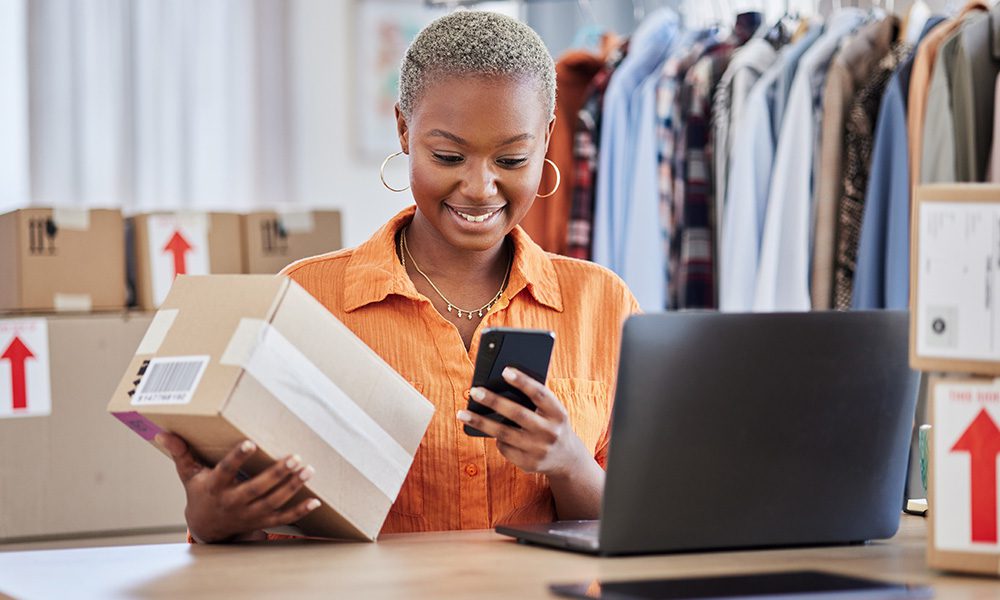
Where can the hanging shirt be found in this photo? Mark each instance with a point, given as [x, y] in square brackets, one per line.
[778, 97]
[851, 68]
[548, 220]
[669, 122]
[749, 179]
[923, 69]
[745, 69]
[916, 22]
[696, 275]
[586, 139]
[882, 274]
[858, 144]
[937, 163]
[620, 204]
[976, 67]
[783, 274]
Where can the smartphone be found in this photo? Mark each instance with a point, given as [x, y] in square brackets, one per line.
[527, 350]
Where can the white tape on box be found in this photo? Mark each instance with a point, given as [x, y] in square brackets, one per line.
[71, 218]
[72, 302]
[297, 221]
[157, 331]
[319, 403]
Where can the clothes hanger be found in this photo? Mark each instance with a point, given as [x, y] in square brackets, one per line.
[638, 11]
[590, 35]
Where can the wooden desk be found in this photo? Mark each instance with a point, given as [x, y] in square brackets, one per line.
[468, 564]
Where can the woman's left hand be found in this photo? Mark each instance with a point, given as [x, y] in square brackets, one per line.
[545, 443]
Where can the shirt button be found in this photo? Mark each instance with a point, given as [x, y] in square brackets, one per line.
[471, 470]
[466, 393]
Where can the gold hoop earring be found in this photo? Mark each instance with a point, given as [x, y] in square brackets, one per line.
[558, 180]
[381, 173]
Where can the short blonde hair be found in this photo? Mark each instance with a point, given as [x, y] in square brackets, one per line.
[475, 43]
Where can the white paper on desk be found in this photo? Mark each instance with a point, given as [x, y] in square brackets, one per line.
[956, 408]
[958, 282]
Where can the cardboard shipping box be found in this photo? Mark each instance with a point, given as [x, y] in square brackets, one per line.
[66, 469]
[955, 279]
[231, 357]
[962, 475]
[169, 244]
[274, 240]
[62, 260]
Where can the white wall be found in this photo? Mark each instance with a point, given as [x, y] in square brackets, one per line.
[14, 174]
[329, 169]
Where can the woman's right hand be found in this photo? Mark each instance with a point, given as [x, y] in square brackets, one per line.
[221, 508]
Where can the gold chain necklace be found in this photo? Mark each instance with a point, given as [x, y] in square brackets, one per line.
[404, 251]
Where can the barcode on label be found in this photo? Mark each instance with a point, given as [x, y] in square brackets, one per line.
[170, 380]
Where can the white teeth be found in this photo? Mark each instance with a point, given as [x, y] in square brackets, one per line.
[472, 219]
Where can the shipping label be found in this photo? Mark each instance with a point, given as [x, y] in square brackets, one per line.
[958, 281]
[25, 384]
[178, 245]
[964, 465]
[170, 380]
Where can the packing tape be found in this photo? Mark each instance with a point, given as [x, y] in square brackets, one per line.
[297, 221]
[157, 331]
[72, 302]
[310, 395]
[71, 218]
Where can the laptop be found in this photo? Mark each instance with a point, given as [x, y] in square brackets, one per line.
[752, 431]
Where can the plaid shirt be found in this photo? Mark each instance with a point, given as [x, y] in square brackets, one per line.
[694, 240]
[586, 138]
[669, 119]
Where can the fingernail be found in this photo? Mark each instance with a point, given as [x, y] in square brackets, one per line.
[313, 504]
[477, 394]
[509, 374]
[463, 416]
[247, 446]
[306, 473]
[158, 438]
[293, 462]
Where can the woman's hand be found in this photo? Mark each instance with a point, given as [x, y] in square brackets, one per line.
[221, 508]
[545, 443]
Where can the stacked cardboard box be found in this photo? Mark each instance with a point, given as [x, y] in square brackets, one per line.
[955, 334]
[65, 468]
[54, 260]
[169, 244]
[273, 240]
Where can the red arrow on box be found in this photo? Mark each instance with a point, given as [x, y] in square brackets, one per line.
[17, 353]
[982, 441]
[179, 247]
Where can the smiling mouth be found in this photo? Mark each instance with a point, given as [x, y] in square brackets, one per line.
[475, 218]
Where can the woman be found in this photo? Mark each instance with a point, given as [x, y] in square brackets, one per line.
[475, 113]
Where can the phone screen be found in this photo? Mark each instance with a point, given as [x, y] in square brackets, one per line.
[527, 350]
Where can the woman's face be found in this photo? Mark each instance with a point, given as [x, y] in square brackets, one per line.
[477, 148]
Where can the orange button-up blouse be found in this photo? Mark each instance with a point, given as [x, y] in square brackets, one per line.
[457, 481]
